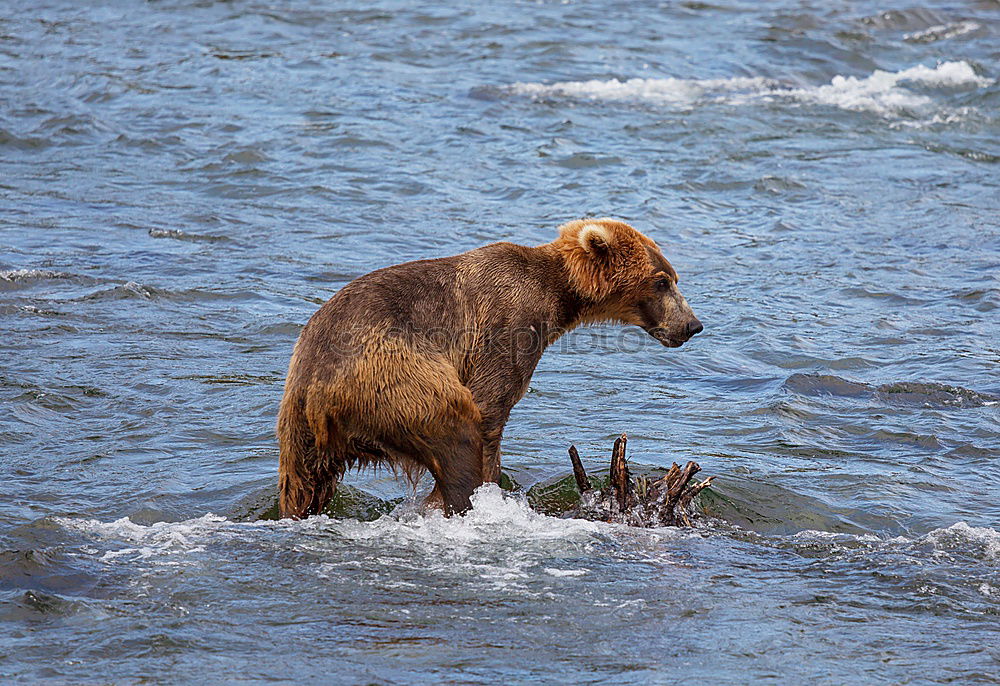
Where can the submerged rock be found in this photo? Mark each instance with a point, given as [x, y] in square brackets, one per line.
[348, 502]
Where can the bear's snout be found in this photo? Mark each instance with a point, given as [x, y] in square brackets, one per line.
[675, 338]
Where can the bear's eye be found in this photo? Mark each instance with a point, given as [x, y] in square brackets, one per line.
[663, 284]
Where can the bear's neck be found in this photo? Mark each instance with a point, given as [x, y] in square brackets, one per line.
[562, 308]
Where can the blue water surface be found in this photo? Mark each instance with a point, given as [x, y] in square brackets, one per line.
[182, 184]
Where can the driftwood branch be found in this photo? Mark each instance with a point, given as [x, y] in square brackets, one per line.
[621, 480]
[639, 502]
[582, 480]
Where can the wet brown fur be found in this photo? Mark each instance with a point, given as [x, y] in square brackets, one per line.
[418, 365]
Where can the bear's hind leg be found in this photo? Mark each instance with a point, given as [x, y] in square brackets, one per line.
[307, 476]
[305, 492]
[321, 490]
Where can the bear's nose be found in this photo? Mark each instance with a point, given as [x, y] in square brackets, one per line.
[694, 326]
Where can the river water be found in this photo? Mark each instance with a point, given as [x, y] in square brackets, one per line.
[183, 183]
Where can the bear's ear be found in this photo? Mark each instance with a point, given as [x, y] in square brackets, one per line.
[595, 239]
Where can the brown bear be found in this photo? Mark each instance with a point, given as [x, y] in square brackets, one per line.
[418, 365]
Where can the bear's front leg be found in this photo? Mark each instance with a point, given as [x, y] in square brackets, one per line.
[491, 454]
[455, 460]
[500, 381]
[491, 428]
[495, 401]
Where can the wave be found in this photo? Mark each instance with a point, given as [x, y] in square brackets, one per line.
[501, 537]
[495, 518]
[494, 512]
[504, 545]
[975, 541]
[501, 542]
[670, 90]
[179, 235]
[24, 274]
[33, 275]
[888, 94]
[960, 541]
[933, 34]
[128, 290]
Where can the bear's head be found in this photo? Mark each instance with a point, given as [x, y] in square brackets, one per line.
[621, 275]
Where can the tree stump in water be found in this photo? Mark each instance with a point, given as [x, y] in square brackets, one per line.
[637, 502]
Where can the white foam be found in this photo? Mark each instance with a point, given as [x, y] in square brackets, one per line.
[501, 540]
[22, 274]
[656, 90]
[878, 93]
[494, 516]
[885, 93]
[942, 32]
[161, 533]
[881, 92]
[982, 541]
[816, 536]
[969, 538]
[148, 541]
